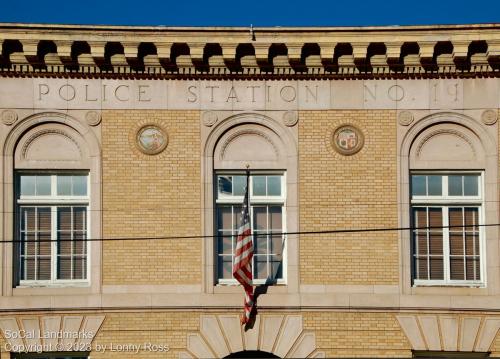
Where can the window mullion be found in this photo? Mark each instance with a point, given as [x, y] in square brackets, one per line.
[463, 243]
[53, 246]
[427, 244]
[446, 244]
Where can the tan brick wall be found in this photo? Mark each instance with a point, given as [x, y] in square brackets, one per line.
[164, 328]
[343, 192]
[151, 196]
[344, 334]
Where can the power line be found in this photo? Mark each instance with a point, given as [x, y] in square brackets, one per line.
[265, 234]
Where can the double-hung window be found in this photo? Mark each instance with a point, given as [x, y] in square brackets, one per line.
[267, 214]
[448, 239]
[52, 228]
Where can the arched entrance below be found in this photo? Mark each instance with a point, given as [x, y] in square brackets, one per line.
[252, 354]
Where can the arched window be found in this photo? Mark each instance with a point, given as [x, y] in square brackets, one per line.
[269, 150]
[54, 185]
[448, 170]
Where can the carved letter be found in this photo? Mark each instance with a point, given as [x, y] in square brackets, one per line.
[313, 94]
[435, 92]
[194, 97]
[142, 91]
[453, 91]
[67, 95]
[373, 93]
[268, 93]
[288, 93]
[232, 95]
[87, 94]
[45, 91]
[104, 92]
[117, 90]
[212, 92]
[253, 91]
[396, 93]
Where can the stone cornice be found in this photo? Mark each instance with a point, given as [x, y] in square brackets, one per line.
[347, 52]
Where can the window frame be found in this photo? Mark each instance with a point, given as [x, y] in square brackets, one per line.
[254, 200]
[445, 202]
[52, 201]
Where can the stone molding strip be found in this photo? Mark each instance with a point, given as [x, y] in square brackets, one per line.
[163, 51]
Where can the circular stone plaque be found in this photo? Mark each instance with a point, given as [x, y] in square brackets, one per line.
[347, 140]
[489, 117]
[9, 117]
[290, 118]
[405, 118]
[93, 118]
[151, 139]
[209, 118]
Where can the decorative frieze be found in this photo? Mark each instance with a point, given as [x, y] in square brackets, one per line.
[341, 52]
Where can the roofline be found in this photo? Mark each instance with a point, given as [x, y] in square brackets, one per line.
[129, 28]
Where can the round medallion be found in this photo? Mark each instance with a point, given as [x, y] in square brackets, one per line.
[290, 118]
[151, 139]
[347, 140]
[93, 118]
[9, 117]
[405, 118]
[209, 118]
[489, 117]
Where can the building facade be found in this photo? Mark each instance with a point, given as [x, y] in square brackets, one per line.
[373, 159]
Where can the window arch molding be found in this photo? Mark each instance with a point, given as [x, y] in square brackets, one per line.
[482, 141]
[283, 141]
[25, 132]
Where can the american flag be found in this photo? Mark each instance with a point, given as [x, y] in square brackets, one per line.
[242, 267]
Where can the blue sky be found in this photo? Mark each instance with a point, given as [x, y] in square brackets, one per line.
[244, 13]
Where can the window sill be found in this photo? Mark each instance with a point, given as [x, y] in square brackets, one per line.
[52, 289]
[229, 288]
[449, 289]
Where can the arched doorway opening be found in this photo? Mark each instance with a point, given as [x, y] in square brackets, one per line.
[252, 354]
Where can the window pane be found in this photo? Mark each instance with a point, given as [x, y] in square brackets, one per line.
[28, 185]
[435, 243]
[436, 268]
[237, 217]
[64, 268]
[276, 244]
[276, 268]
[225, 267]
[275, 218]
[455, 185]
[259, 185]
[224, 218]
[260, 242]
[421, 268]
[260, 269]
[274, 185]
[470, 185]
[80, 185]
[239, 185]
[435, 185]
[43, 185]
[79, 218]
[64, 185]
[418, 185]
[225, 243]
[225, 185]
[260, 218]
[43, 269]
[457, 268]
